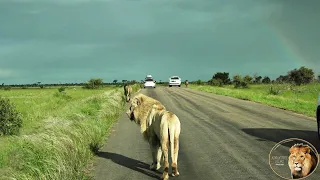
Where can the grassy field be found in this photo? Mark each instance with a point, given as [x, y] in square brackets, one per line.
[300, 99]
[61, 131]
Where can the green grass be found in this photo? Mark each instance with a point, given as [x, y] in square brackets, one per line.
[300, 99]
[61, 131]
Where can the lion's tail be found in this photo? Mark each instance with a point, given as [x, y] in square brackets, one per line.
[174, 132]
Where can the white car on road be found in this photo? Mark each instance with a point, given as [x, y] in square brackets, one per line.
[149, 82]
[318, 116]
[174, 81]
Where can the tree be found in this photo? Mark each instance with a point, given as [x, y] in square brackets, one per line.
[94, 83]
[239, 82]
[302, 75]
[223, 76]
[256, 79]
[266, 80]
[236, 78]
[283, 79]
[248, 79]
[215, 82]
[115, 81]
[124, 81]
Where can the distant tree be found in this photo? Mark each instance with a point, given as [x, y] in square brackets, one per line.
[124, 81]
[318, 77]
[256, 79]
[236, 78]
[215, 82]
[266, 80]
[223, 76]
[239, 82]
[94, 83]
[199, 82]
[248, 79]
[115, 81]
[302, 75]
[283, 79]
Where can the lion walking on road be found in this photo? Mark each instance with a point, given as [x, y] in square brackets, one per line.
[127, 92]
[159, 127]
[186, 83]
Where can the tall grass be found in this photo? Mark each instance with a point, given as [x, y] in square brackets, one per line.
[300, 99]
[61, 132]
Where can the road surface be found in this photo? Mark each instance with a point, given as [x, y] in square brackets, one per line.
[221, 138]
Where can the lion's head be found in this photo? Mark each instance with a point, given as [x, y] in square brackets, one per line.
[133, 111]
[301, 163]
[140, 106]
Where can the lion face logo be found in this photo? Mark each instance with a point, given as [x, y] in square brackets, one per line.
[301, 163]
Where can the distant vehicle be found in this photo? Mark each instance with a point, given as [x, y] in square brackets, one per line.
[148, 77]
[174, 81]
[318, 117]
[149, 82]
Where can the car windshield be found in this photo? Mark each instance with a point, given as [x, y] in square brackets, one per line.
[149, 80]
[174, 77]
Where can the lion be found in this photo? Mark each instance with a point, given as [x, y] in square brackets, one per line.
[159, 127]
[301, 162]
[127, 92]
[186, 83]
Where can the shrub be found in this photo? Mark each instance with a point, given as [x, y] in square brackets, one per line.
[199, 82]
[216, 82]
[239, 82]
[7, 88]
[10, 118]
[94, 83]
[273, 90]
[62, 89]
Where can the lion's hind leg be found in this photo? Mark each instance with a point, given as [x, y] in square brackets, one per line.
[164, 147]
[174, 131]
[155, 148]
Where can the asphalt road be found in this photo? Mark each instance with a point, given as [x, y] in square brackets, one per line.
[221, 138]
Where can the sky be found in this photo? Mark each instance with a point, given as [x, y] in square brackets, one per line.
[71, 41]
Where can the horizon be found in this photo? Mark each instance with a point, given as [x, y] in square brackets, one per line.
[53, 41]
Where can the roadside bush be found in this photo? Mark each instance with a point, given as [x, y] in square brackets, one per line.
[7, 88]
[216, 82]
[239, 82]
[199, 82]
[273, 90]
[10, 118]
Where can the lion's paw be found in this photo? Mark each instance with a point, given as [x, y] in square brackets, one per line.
[175, 174]
[165, 176]
[155, 166]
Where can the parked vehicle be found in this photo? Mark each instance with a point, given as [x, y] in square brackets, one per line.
[174, 81]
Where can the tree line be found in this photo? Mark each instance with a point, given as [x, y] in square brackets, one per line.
[296, 76]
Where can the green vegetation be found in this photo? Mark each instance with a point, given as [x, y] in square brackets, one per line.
[61, 130]
[297, 91]
[10, 119]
